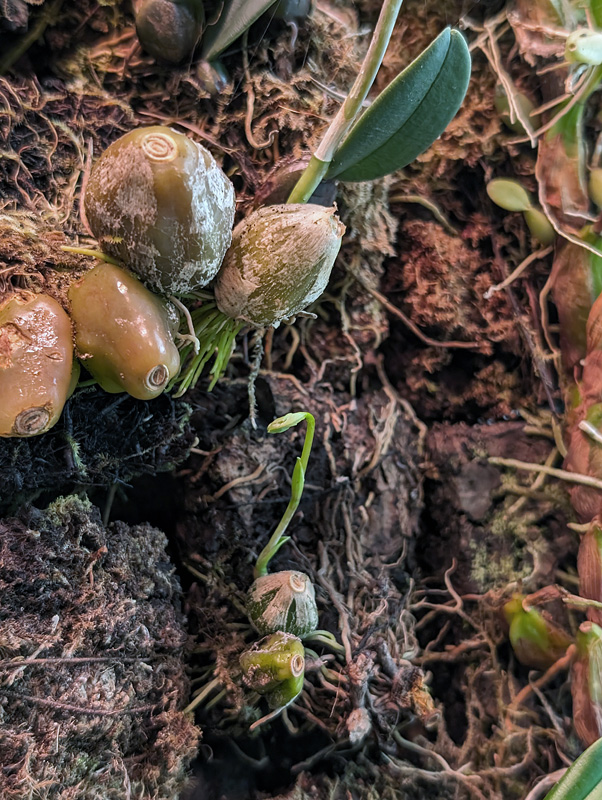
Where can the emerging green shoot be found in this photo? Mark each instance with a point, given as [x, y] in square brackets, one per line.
[511, 196]
[536, 641]
[347, 113]
[216, 334]
[298, 481]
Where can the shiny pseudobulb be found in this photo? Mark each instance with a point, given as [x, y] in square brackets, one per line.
[36, 357]
[159, 202]
[169, 29]
[536, 640]
[275, 667]
[123, 332]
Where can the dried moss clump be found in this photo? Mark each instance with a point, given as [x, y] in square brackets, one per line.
[91, 670]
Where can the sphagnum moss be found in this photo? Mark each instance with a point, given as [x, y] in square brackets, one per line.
[77, 597]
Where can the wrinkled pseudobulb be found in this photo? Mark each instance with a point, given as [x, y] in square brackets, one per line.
[36, 357]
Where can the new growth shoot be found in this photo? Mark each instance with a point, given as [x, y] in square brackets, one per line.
[297, 483]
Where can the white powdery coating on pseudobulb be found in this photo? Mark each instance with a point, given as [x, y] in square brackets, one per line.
[279, 262]
[128, 179]
[169, 220]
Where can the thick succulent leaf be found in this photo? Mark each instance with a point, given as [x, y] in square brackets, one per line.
[581, 779]
[407, 117]
[236, 17]
[509, 195]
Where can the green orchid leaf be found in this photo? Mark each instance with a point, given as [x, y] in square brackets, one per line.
[236, 17]
[595, 7]
[407, 117]
[582, 779]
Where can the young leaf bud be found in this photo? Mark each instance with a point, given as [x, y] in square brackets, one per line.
[536, 641]
[540, 226]
[509, 195]
[586, 683]
[275, 667]
[169, 29]
[283, 601]
[279, 262]
[36, 356]
[158, 201]
[123, 332]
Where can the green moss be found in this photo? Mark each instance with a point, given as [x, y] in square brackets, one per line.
[513, 527]
[491, 569]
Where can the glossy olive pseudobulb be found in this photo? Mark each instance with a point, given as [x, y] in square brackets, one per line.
[283, 601]
[536, 640]
[159, 202]
[36, 356]
[169, 29]
[123, 332]
[275, 667]
[279, 262]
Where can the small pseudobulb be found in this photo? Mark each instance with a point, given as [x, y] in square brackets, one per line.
[279, 262]
[36, 357]
[123, 333]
